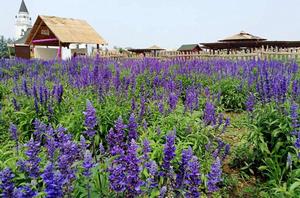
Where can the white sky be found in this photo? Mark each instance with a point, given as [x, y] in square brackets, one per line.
[167, 23]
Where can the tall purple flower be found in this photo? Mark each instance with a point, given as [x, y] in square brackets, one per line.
[187, 155]
[209, 114]
[53, 182]
[115, 137]
[16, 105]
[90, 119]
[132, 128]
[295, 119]
[31, 165]
[7, 185]
[214, 176]
[193, 178]
[14, 134]
[250, 102]
[133, 181]
[24, 192]
[172, 101]
[169, 153]
[146, 150]
[227, 123]
[87, 164]
[152, 169]
[226, 151]
[117, 176]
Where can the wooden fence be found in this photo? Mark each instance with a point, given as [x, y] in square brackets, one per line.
[261, 53]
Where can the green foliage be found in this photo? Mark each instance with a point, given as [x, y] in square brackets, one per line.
[233, 95]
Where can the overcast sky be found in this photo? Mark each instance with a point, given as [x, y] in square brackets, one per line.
[167, 23]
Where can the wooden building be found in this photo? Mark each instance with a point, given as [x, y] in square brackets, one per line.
[150, 51]
[58, 35]
[248, 43]
[23, 50]
[189, 48]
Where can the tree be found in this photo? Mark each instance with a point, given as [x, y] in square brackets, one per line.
[3, 47]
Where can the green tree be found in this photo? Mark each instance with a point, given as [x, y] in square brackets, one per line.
[3, 47]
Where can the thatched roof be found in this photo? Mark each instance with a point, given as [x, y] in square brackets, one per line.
[188, 47]
[155, 47]
[242, 36]
[66, 30]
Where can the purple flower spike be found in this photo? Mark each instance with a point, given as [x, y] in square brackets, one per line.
[209, 114]
[7, 185]
[193, 178]
[214, 176]
[132, 128]
[90, 119]
[169, 153]
[87, 164]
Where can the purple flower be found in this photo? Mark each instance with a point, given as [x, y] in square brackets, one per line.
[172, 101]
[152, 169]
[90, 119]
[132, 128]
[101, 149]
[87, 164]
[117, 176]
[39, 129]
[14, 132]
[24, 192]
[214, 176]
[133, 104]
[162, 192]
[295, 89]
[59, 93]
[24, 87]
[250, 102]
[53, 182]
[192, 178]
[146, 149]
[226, 151]
[209, 114]
[115, 137]
[16, 105]
[51, 143]
[31, 165]
[161, 107]
[133, 181]
[68, 154]
[169, 153]
[227, 123]
[295, 117]
[297, 143]
[187, 155]
[7, 185]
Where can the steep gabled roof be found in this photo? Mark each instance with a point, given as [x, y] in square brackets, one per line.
[23, 7]
[67, 30]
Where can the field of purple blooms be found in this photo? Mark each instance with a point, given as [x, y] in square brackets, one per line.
[149, 128]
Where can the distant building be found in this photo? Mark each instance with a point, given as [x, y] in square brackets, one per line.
[55, 37]
[247, 42]
[150, 51]
[189, 48]
[23, 21]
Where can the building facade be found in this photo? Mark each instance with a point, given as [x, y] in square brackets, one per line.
[23, 21]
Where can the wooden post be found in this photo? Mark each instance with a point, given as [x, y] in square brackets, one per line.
[59, 51]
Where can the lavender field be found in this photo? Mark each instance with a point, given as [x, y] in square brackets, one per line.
[149, 128]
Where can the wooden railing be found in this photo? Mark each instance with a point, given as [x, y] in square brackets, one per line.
[261, 53]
